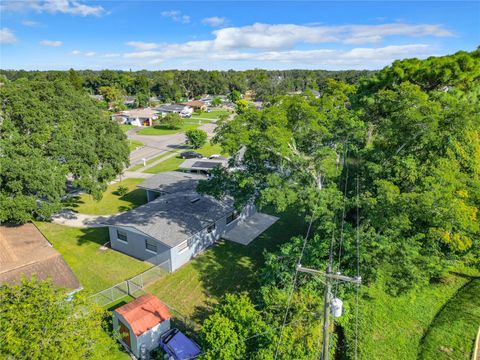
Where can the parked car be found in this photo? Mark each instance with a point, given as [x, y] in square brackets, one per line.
[215, 156]
[191, 155]
[178, 346]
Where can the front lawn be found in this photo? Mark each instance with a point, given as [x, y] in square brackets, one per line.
[214, 114]
[173, 163]
[163, 130]
[111, 202]
[133, 144]
[95, 269]
[225, 267]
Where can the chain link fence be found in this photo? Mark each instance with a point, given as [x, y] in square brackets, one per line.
[131, 287]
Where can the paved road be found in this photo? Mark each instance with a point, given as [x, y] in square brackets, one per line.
[158, 144]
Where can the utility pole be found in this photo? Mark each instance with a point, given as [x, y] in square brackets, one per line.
[327, 300]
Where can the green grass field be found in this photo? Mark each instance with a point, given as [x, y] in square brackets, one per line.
[173, 163]
[125, 127]
[133, 144]
[111, 202]
[225, 267]
[150, 161]
[162, 130]
[95, 269]
[214, 114]
[452, 333]
[420, 324]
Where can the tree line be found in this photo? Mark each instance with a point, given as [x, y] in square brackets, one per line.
[173, 85]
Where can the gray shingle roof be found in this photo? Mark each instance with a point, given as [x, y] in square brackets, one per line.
[172, 182]
[172, 219]
[202, 164]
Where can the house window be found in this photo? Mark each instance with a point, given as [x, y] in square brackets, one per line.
[151, 245]
[183, 247]
[122, 236]
[211, 228]
[232, 217]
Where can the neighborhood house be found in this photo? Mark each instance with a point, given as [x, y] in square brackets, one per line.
[183, 110]
[196, 105]
[137, 117]
[140, 324]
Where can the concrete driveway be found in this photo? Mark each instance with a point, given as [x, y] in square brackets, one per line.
[158, 144]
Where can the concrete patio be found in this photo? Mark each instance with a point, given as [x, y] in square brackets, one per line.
[247, 230]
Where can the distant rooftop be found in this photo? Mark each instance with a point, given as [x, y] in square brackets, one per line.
[174, 218]
[203, 164]
[140, 113]
[172, 182]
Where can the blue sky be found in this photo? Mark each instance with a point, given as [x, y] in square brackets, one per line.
[60, 34]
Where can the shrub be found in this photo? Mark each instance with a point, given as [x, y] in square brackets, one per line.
[122, 190]
[172, 121]
[197, 138]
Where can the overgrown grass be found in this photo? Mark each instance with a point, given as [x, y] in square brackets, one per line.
[452, 333]
[111, 202]
[95, 269]
[225, 267]
[393, 327]
[163, 130]
[126, 127]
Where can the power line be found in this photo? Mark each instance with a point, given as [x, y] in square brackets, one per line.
[294, 283]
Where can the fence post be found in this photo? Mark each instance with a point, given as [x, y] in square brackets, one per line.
[128, 287]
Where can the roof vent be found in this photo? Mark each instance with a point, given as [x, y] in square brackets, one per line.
[195, 200]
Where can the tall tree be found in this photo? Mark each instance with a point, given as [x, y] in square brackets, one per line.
[51, 132]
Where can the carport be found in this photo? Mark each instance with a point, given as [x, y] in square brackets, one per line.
[248, 229]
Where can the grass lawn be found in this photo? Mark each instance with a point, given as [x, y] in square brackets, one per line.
[452, 333]
[414, 326]
[170, 164]
[151, 160]
[214, 114]
[95, 269]
[126, 127]
[133, 144]
[225, 267]
[173, 163]
[162, 130]
[111, 202]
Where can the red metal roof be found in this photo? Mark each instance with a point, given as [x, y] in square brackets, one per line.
[144, 313]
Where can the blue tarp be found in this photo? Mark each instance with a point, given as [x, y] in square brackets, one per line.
[177, 345]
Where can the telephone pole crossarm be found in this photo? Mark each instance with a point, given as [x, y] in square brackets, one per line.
[355, 280]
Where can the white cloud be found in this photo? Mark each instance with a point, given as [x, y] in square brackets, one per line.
[214, 21]
[111, 55]
[53, 43]
[76, 52]
[176, 15]
[140, 45]
[30, 23]
[53, 6]
[90, 53]
[82, 53]
[7, 36]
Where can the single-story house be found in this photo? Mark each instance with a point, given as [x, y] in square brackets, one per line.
[196, 105]
[170, 182]
[183, 110]
[173, 228]
[137, 117]
[140, 324]
[24, 251]
[202, 166]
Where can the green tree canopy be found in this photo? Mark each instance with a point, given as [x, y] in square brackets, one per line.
[196, 138]
[37, 322]
[171, 121]
[50, 133]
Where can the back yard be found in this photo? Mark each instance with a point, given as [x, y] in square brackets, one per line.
[112, 202]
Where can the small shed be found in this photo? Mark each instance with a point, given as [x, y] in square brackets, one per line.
[141, 322]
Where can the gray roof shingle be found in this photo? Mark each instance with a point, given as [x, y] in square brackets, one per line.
[174, 218]
[172, 182]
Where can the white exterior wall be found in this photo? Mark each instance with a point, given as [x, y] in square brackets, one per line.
[202, 240]
[150, 338]
[135, 245]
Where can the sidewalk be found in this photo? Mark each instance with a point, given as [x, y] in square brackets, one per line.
[70, 218]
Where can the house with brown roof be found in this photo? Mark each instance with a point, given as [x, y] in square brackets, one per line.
[24, 251]
[140, 323]
[196, 105]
